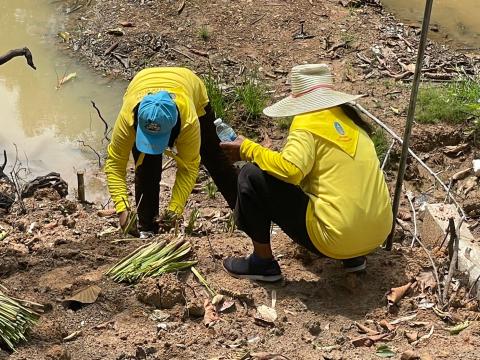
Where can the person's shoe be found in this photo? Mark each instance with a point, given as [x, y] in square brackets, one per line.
[254, 268]
[146, 234]
[355, 264]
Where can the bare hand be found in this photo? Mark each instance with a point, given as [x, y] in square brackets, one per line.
[232, 148]
[128, 225]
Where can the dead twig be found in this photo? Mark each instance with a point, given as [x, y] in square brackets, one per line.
[473, 286]
[387, 155]
[414, 216]
[111, 48]
[16, 183]
[122, 59]
[199, 52]
[181, 7]
[435, 269]
[455, 236]
[337, 46]
[2, 167]
[258, 19]
[168, 164]
[182, 53]
[107, 129]
[94, 151]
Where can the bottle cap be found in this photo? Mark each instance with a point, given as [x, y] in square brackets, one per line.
[218, 121]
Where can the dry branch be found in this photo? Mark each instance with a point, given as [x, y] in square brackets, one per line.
[94, 151]
[107, 129]
[18, 52]
[455, 238]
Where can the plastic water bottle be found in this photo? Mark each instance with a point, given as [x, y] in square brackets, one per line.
[225, 133]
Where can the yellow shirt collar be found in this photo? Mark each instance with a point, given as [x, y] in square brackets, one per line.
[332, 125]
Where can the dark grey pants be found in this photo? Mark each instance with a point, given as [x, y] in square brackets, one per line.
[263, 199]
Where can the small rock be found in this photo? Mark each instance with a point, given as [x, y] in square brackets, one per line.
[57, 352]
[140, 353]
[409, 355]
[159, 315]
[314, 327]
[70, 223]
[195, 309]
[164, 293]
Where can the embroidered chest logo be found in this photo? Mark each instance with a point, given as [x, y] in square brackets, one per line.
[339, 128]
[341, 131]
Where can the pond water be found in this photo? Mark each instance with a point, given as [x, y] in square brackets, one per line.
[45, 123]
[457, 20]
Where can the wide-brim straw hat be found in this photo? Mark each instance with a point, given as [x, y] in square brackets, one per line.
[312, 90]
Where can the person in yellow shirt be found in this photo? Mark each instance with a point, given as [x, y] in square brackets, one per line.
[325, 188]
[165, 110]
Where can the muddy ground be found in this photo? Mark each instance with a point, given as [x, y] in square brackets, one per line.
[69, 246]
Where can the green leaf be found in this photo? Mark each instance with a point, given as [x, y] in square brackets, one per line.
[202, 280]
[457, 329]
[384, 351]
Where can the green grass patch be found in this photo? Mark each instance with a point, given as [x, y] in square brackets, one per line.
[204, 33]
[380, 141]
[452, 103]
[252, 96]
[217, 98]
[284, 123]
[211, 189]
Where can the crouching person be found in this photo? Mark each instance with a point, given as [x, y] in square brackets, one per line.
[165, 108]
[325, 189]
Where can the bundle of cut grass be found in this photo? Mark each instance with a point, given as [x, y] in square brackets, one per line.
[154, 259]
[15, 320]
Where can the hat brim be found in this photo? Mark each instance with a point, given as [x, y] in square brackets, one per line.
[151, 144]
[314, 101]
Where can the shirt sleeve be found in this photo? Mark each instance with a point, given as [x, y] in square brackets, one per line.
[118, 152]
[188, 162]
[291, 165]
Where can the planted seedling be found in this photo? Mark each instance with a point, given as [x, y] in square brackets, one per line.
[230, 225]
[204, 33]
[211, 189]
[192, 220]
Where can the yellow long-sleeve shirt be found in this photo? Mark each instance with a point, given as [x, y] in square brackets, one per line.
[334, 162]
[190, 96]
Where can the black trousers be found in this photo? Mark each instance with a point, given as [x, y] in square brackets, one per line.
[149, 173]
[263, 199]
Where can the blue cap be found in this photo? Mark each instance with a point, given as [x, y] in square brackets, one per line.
[157, 115]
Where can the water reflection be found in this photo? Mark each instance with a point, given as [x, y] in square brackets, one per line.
[44, 122]
[457, 19]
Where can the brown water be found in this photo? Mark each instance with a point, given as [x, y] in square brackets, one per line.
[45, 123]
[457, 19]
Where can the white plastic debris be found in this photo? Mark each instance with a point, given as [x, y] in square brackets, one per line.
[476, 167]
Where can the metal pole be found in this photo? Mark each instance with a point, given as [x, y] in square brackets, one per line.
[410, 117]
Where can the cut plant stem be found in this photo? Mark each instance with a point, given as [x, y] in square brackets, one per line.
[15, 320]
[149, 260]
[202, 281]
